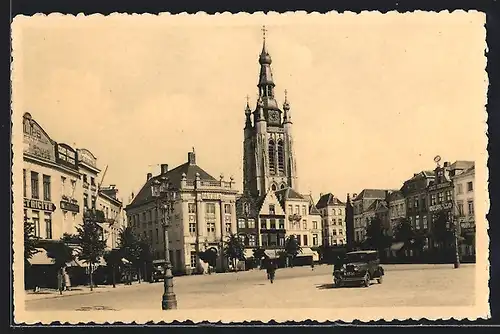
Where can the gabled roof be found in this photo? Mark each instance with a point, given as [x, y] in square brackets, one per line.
[313, 210]
[175, 177]
[421, 175]
[377, 205]
[371, 193]
[328, 200]
[288, 193]
[395, 195]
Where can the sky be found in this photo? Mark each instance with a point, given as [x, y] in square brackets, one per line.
[373, 97]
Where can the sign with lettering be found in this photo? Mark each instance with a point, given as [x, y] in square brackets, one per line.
[36, 141]
[210, 196]
[66, 155]
[440, 206]
[68, 206]
[87, 157]
[39, 205]
[440, 186]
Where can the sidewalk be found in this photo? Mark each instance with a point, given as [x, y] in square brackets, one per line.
[78, 290]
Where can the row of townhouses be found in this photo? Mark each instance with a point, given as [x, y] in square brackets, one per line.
[447, 189]
[61, 186]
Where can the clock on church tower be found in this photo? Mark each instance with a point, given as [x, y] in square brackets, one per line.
[274, 117]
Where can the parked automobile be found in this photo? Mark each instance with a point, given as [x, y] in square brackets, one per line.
[360, 267]
[158, 270]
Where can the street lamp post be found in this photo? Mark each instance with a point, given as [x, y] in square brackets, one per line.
[454, 223]
[165, 198]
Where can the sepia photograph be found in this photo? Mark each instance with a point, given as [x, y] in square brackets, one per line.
[238, 167]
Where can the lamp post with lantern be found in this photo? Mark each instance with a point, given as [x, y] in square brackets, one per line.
[166, 196]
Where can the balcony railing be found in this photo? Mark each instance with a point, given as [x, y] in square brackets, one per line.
[295, 217]
[94, 215]
[210, 184]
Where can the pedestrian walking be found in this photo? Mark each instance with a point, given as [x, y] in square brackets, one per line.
[67, 280]
[271, 270]
[312, 265]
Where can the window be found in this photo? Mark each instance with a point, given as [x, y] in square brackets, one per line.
[417, 222]
[193, 259]
[210, 226]
[93, 202]
[24, 183]
[448, 195]
[460, 208]
[92, 181]
[341, 231]
[470, 187]
[304, 225]
[433, 199]
[210, 208]
[470, 204]
[440, 197]
[85, 179]
[85, 201]
[273, 240]
[334, 212]
[227, 209]
[290, 210]
[315, 240]
[251, 223]
[191, 207]
[252, 240]
[422, 202]
[281, 241]
[272, 223]
[304, 210]
[263, 223]
[264, 239]
[157, 236]
[340, 221]
[272, 209]
[424, 222]
[34, 186]
[334, 232]
[273, 187]
[36, 222]
[48, 225]
[272, 157]
[340, 212]
[409, 203]
[412, 222]
[297, 208]
[192, 228]
[315, 225]
[281, 157]
[305, 240]
[415, 202]
[73, 186]
[334, 221]
[298, 239]
[241, 223]
[228, 227]
[282, 224]
[460, 189]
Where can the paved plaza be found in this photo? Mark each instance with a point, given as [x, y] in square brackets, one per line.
[300, 287]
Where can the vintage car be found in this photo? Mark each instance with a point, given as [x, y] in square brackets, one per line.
[158, 270]
[360, 267]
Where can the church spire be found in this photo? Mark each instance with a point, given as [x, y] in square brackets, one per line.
[266, 82]
[287, 118]
[248, 113]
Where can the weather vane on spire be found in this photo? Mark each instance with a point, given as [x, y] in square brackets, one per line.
[286, 94]
[264, 30]
[248, 99]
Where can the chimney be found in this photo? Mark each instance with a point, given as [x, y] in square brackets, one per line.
[320, 195]
[164, 169]
[149, 176]
[192, 158]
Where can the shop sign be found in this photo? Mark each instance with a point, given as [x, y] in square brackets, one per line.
[39, 205]
[440, 206]
[439, 186]
[66, 155]
[36, 142]
[68, 206]
[87, 157]
[211, 196]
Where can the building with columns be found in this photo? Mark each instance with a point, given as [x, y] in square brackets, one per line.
[203, 216]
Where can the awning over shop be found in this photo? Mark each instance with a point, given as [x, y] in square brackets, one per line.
[271, 253]
[41, 258]
[309, 252]
[397, 246]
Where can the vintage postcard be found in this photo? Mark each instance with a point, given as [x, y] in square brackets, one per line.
[250, 167]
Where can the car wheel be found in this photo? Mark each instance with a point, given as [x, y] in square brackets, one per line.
[366, 280]
[380, 280]
[337, 283]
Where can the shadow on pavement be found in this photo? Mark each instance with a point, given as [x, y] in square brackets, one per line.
[325, 286]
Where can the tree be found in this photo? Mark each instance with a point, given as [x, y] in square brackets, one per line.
[61, 254]
[234, 249]
[145, 255]
[375, 236]
[129, 245]
[113, 259]
[91, 245]
[292, 247]
[30, 240]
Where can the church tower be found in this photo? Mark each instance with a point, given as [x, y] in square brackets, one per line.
[268, 153]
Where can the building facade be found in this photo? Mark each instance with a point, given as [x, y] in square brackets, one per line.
[332, 220]
[204, 215]
[112, 207]
[364, 211]
[464, 185]
[397, 209]
[51, 183]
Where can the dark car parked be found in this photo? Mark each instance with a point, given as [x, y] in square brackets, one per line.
[158, 270]
[360, 267]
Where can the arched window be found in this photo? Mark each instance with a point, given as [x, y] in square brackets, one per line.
[282, 186]
[281, 157]
[273, 187]
[334, 212]
[272, 157]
